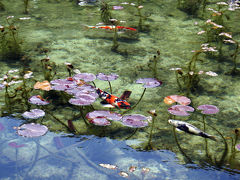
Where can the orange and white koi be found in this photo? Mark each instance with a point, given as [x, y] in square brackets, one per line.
[112, 27]
[114, 101]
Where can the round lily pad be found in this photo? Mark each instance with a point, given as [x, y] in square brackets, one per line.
[63, 84]
[32, 130]
[33, 114]
[149, 82]
[135, 121]
[37, 100]
[106, 114]
[82, 100]
[208, 109]
[100, 121]
[87, 77]
[109, 77]
[177, 98]
[180, 110]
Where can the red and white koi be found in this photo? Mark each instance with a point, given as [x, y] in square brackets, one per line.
[114, 101]
[112, 27]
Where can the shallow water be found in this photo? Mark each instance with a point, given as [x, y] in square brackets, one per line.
[60, 28]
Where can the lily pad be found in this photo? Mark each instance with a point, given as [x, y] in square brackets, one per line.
[109, 77]
[87, 77]
[32, 130]
[208, 109]
[149, 82]
[180, 110]
[33, 114]
[135, 121]
[37, 100]
[82, 100]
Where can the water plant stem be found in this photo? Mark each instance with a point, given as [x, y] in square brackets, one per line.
[225, 152]
[137, 102]
[179, 147]
[149, 144]
[205, 139]
[110, 86]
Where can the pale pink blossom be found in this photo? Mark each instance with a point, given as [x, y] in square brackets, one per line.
[225, 34]
[211, 73]
[229, 41]
[201, 32]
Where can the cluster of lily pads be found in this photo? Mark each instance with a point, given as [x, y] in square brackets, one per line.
[81, 93]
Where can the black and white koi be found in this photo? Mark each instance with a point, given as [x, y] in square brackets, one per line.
[189, 128]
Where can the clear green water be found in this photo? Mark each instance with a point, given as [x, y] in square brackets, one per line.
[59, 27]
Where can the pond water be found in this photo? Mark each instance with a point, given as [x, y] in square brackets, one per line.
[190, 48]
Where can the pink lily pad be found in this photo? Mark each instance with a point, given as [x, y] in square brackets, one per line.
[180, 110]
[180, 99]
[32, 130]
[87, 77]
[33, 114]
[149, 82]
[82, 100]
[104, 114]
[135, 121]
[100, 121]
[104, 77]
[37, 100]
[208, 109]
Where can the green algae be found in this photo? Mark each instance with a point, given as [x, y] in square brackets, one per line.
[60, 28]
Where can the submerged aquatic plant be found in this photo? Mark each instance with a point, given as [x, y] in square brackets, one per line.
[148, 83]
[207, 109]
[10, 43]
[153, 64]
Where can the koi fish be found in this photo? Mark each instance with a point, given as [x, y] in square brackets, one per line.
[112, 27]
[110, 100]
[189, 128]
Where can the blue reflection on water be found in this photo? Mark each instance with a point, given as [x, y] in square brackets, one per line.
[60, 156]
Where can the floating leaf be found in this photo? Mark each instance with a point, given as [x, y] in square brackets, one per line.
[149, 82]
[108, 166]
[180, 110]
[87, 77]
[135, 121]
[45, 85]
[104, 77]
[208, 109]
[100, 117]
[33, 114]
[32, 130]
[38, 100]
[82, 100]
[100, 121]
[177, 98]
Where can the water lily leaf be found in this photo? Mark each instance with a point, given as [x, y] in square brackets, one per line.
[31, 130]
